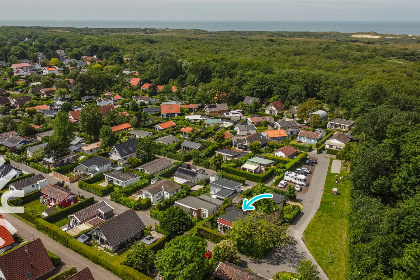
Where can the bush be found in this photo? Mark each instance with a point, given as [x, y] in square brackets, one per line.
[95, 178]
[303, 148]
[290, 212]
[258, 178]
[133, 187]
[39, 167]
[54, 258]
[66, 168]
[320, 143]
[210, 234]
[25, 199]
[296, 162]
[88, 185]
[159, 244]
[276, 159]
[53, 231]
[63, 213]
[64, 275]
[233, 177]
[332, 151]
[320, 148]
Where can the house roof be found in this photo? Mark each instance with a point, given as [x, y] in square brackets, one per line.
[146, 86]
[278, 105]
[184, 173]
[278, 198]
[91, 146]
[165, 184]
[106, 108]
[140, 133]
[342, 121]
[121, 127]
[225, 183]
[167, 124]
[259, 119]
[30, 261]
[95, 161]
[170, 109]
[227, 134]
[56, 192]
[187, 129]
[283, 124]
[191, 145]
[152, 110]
[7, 134]
[292, 110]
[228, 271]
[5, 234]
[275, 133]
[6, 168]
[22, 100]
[340, 137]
[169, 139]
[232, 216]
[91, 211]
[223, 193]
[321, 113]
[256, 137]
[27, 181]
[217, 107]
[287, 150]
[135, 81]
[310, 134]
[228, 152]
[127, 148]
[156, 165]
[246, 127]
[75, 114]
[12, 141]
[119, 175]
[120, 228]
[250, 100]
[4, 100]
[197, 202]
[45, 133]
[190, 106]
[83, 274]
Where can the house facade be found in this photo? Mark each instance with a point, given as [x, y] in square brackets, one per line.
[340, 124]
[124, 150]
[30, 184]
[337, 142]
[309, 137]
[199, 207]
[286, 152]
[120, 178]
[160, 190]
[54, 195]
[274, 108]
[99, 210]
[93, 166]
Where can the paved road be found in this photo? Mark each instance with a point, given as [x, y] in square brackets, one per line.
[118, 208]
[69, 257]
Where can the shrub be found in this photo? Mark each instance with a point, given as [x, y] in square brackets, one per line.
[56, 260]
[25, 199]
[53, 231]
[159, 244]
[296, 162]
[290, 212]
[95, 178]
[320, 148]
[88, 185]
[66, 168]
[233, 177]
[332, 151]
[64, 275]
[322, 141]
[259, 178]
[210, 234]
[63, 213]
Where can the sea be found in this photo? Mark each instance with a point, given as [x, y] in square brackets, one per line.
[381, 27]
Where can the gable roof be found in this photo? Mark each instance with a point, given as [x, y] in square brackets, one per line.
[152, 110]
[106, 108]
[340, 137]
[30, 261]
[256, 137]
[170, 109]
[27, 181]
[6, 168]
[135, 81]
[229, 271]
[119, 175]
[83, 274]
[122, 227]
[225, 183]
[56, 192]
[20, 101]
[278, 105]
[12, 141]
[246, 127]
[287, 150]
[342, 121]
[168, 139]
[75, 114]
[227, 134]
[284, 124]
[276, 133]
[91, 146]
[197, 202]
[167, 124]
[127, 148]
[120, 127]
[4, 100]
[165, 184]
[187, 129]
[91, 211]
[95, 161]
[232, 216]
[310, 134]
[140, 133]
[217, 107]
[191, 145]
[250, 100]
[156, 165]
[184, 173]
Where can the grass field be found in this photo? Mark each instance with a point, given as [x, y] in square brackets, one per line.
[326, 235]
[35, 208]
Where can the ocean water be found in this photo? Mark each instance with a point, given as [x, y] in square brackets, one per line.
[381, 27]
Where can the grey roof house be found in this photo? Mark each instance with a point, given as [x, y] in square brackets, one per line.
[30, 184]
[160, 190]
[190, 177]
[13, 172]
[230, 154]
[167, 140]
[140, 133]
[155, 166]
[93, 165]
[245, 129]
[120, 178]
[249, 100]
[33, 149]
[188, 146]
[99, 210]
[221, 188]
[124, 150]
[199, 207]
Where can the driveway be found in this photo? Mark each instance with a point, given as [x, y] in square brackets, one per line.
[118, 208]
[68, 257]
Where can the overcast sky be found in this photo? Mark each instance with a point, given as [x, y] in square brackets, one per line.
[334, 10]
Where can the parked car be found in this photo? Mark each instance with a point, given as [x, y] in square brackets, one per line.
[282, 184]
[298, 188]
[301, 171]
[307, 170]
[310, 162]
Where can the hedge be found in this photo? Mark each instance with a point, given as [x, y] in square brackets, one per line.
[56, 260]
[296, 162]
[304, 148]
[39, 167]
[180, 156]
[103, 259]
[320, 148]
[53, 231]
[133, 187]
[139, 204]
[88, 185]
[66, 168]
[332, 151]
[290, 212]
[95, 178]
[168, 172]
[322, 141]
[277, 159]
[258, 178]
[210, 234]
[233, 177]
[63, 213]
[64, 275]
[159, 244]
[26, 198]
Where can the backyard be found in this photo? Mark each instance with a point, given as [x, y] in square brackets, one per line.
[326, 235]
[35, 208]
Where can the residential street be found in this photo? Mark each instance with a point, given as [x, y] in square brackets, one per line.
[68, 256]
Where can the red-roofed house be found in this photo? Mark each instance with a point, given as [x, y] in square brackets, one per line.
[170, 110]
[49, 70]
[227, 135]
[121, 127]
[159, 88]
[274, 108]
[187, 130]
[228, 271]
[118, 97]
[135, 82]
[174, 89]
[52, 195]
[257, 121]
[146, 86]
[190, 107]
[278, 135]
[107, 108]
[40, 107]
[165, 125]
[285, 152]
[6, 236]
[36, 126]
[75, 115]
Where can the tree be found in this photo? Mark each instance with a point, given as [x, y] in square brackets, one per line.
[175, 221]
[55, 61]
[315, 120]
[91, 120]
[311, 105]
[225, 251]
[308, 270]
[219, 138]
[39, 119]
[66, 107]
[25, 129]
[183, 258]
[255, 147]
[140, 119]
[108, 138]
[216, 161]
[145, 149]
[59, 142]
[60, 93]
[291, 192]
[140, 258]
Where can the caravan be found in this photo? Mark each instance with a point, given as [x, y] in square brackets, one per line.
[295, 178]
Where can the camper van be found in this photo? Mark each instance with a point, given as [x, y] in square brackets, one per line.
[295, 178]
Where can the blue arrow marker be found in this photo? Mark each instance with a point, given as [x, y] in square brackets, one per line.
[247, 205]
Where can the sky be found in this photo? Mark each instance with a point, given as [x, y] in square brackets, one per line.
[218, 10]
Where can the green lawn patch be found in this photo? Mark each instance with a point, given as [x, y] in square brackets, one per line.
[62, 222]
[327, 234]
[35, 208]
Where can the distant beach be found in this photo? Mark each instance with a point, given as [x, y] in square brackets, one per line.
[396, 28]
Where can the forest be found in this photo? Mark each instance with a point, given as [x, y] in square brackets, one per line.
[375, 82]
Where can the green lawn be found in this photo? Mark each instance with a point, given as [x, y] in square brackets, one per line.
[62, 222]
[326, 235]
[35, 208]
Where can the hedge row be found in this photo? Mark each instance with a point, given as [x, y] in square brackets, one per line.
[39, 167]
[63, 213]
[25, 199]
[332, 151]
[95, 178]
[126, 191]
[159, 244]
[64, 275]
[258, 178]
[56, 260]
[320, 148]
[296, 162]
[139, 204]
[233, 177]
[210, 234]
[303, 148]
[53, 231]
[277, 159]
[66, 168]
[182, 156]
[98, 190]
[168, 172]
[320, 143]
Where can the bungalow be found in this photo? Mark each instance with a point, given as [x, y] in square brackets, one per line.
[49, 70]
[230, 154]
[274, 108]
[191, 107]
[216, 109]
[124, 150]
[29, 261]
[121, 127]
[46, 92]
[243, 143]
[187, 130]
[119, 231]
[286, 152]
[120, 178]
[19, 102]
[30, 151]
[188, 146]
[54, 195]
[8, 172]
[146, 100]
[15, 142]
[152, 110]
[309, 137]
[140, 133]
[146, 86]
[277, 135]
[135, 82]
[221, 188]
[155, 166]
[341, 124]
[170, 110]
[190, 177]
[337, 142]
[212, 122]
[251, 100]
[165, 125]
[91, 149]
[224, 222]
[6, 135]
[290, 126]
[93, 166]
[199, 207]
[105, 109]
[160, 190]
[229, 271]
[167, 140]
[245, 129]
[99, 210]
[259, 120]
[257, 164]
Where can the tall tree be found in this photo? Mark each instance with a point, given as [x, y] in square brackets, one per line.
[145, 148]
[59, 142]
[225, 251]
[175, 221]
[108, 138]
[140, 258]
[91, 120]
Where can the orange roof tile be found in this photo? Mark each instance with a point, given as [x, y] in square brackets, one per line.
[228, 135]
[187, 129]
[117, 96]
[190, 106]
[174, 88]
[36, 126]
[91, 146]
[167, 124]
[276, 133]
[75, 114]
[135, 81]
[40, 107]
[287, 150]
[120, 127]
[160, 87]
[170, 109]
[146, 86]
[124, 114]
[107, 108]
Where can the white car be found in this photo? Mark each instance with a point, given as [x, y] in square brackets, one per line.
[298, 188]
[282, 184]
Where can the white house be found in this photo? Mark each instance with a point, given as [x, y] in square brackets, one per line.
[285, 152]
[49, 70]
[120, 178]
[93, 165]
[160, 190]
[124, 150]
[337, 142]
[30, 184]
